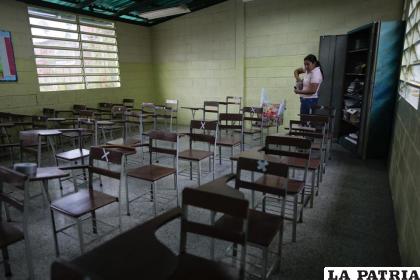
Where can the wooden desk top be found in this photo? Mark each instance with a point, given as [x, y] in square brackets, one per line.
[193, 108]
[48, 132]
[48, 173]
[8, 124]
[290, 161]
[56, 119]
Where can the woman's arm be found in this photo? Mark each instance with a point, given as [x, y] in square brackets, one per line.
[297, 72]
[311, 89]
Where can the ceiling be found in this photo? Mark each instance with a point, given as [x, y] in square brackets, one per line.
[123, 10]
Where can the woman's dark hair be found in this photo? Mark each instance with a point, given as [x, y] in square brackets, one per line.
[312, 58]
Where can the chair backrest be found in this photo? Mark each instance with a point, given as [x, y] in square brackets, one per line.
[79, 107]
[48, 112]
[39, 121]
[172, 104]
[128, 102]
[322, 110]
[211, 107]
[157, 136]
[236, 100]
[330, 111]
[118, 111]
[318, 122]
[28, 138]
[86, 118]
[15, 179]
[233, 101]
[304, 129]
[289, 146]
[208, 132]
[105, 105]
[295, 147]
[315, 120]
[235, 207]
[273, 167]
[87, 114]
[229, 122]
[148, 105]
[104, 154]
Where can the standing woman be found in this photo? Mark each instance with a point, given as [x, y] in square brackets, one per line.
[311, 82]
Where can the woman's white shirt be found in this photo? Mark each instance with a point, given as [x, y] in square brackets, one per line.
[313, 77]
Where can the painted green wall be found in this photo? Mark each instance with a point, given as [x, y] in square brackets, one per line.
[404, 176]
[25, 97]
[199, 56]
[230, 49]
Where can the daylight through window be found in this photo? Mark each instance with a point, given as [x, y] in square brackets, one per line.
[73, 52]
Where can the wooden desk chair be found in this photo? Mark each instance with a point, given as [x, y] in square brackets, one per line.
[152, 173]
[9, 234]
[106, 106]
[148, 110]
[48, 112]
[128, 103]
[253, 122]
[331, 113]
[76, 156]
[263, 227]
[39, 122]
[118, 119]
[133, 118]
[316, 162]
[207, 133]
[91, 120]
[228, 123]
[210, 107]
[7, 140]
[77, 108]
[171, 108]
[233, 101]
[28, 141]
[84, 202]
[139, 254]
[299, 149]
[134, 254]
[321, 125]
[191, 266]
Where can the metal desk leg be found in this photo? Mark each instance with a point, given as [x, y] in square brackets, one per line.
[39, 150]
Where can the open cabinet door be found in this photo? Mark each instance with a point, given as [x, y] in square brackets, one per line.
[385, 76]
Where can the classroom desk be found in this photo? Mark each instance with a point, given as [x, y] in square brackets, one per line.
[193, 110]
[299, 163]
[44, 174]
[48, 134]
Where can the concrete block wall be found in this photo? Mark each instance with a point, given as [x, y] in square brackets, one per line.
[195, 57]
[280, 33]
[24, 96]
[404, 177]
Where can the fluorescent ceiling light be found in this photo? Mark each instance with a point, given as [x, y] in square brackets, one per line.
[165, 12]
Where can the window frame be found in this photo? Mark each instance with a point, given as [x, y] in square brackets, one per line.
[82, 54]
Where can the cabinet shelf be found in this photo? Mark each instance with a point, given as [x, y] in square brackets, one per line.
[358, 50]
[351, 123]
[357, 97]
[355, 74]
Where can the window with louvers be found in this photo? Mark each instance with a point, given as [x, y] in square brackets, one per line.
[73, 52]
[410, 67]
